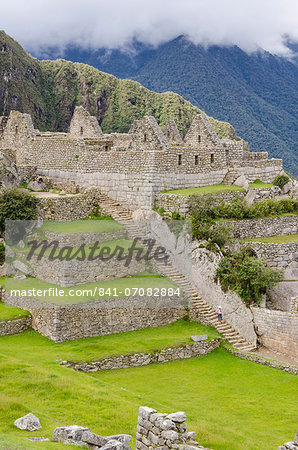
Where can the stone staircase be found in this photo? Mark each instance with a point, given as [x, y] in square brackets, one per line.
[231, 176]
[124, 216]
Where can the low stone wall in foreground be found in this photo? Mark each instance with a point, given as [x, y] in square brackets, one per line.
[15, 326]
[143, 359]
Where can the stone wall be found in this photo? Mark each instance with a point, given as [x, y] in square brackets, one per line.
[236, 314]
[278, 330]
[143, 359]
[254, 228]
[69, 322]
[134, 168]
[64, 208]
[164, 431]
[181, 204]
[278, 256]
[69, 273]
[15, 326]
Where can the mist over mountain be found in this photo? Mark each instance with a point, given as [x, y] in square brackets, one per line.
[256, 93]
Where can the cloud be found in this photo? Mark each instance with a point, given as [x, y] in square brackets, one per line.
[250, 24]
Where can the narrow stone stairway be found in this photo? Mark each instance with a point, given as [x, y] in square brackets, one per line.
[124, 216]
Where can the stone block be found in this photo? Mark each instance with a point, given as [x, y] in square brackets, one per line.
[114, 444]
[153, 438]
[199, 337]
[146, 412]
[29, 423]
[94, 439]
[141, 430]
[71, 434]
[170, 435]
[178, 417]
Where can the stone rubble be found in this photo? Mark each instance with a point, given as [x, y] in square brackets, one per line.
[164, 431]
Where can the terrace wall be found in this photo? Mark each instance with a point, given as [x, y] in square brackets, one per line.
[15, 326]
[69, 322]
[278, 330]
[278, 256]
[255, 228]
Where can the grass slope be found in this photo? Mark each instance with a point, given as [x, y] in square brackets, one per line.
[8, 312]
[231, 403]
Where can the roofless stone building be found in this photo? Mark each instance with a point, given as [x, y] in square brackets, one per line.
[132, 167]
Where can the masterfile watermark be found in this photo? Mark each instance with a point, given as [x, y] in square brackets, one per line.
[52, 250]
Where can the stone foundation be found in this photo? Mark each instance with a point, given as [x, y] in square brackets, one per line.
[15, 326]
[69, 322]
[271, 226]
[278, 256]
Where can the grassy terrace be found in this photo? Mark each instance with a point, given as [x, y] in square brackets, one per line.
[81, 226]
[258, 184]
[214, 189]
[10, 313]
[143, 280]
[287, 238]
[226, 404]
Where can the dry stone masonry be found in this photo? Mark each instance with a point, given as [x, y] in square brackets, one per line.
[143, 359]
[132, 167]
[15, 326]
[164, 431]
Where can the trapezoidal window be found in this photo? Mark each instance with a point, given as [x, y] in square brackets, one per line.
[81, 131]
[197, 160]
[199, 138]
[106, 148]
[212, 158]
[145, 137]
[16, 129]
[179, 160]
[227, 153]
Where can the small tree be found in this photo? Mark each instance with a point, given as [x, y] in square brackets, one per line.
[281, 180]
[16, 205]
[245, 274]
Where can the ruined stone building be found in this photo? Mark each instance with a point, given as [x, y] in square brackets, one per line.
[132, 167]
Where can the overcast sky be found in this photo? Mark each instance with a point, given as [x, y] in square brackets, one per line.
[250, 24]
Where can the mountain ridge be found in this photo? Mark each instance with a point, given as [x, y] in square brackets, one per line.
[50, 90]
[256, 93]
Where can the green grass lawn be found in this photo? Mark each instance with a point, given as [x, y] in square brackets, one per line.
[214, 189]
[143, 280]
[287, 238]
[232, 404]
[258, 184]
[81, 226]
[8, 312]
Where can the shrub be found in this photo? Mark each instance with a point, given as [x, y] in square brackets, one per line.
[246, 275]
[16, 205]
[281, 180]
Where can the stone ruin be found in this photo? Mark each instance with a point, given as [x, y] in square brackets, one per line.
[154, 430]
[164, 431]
[132, 167]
